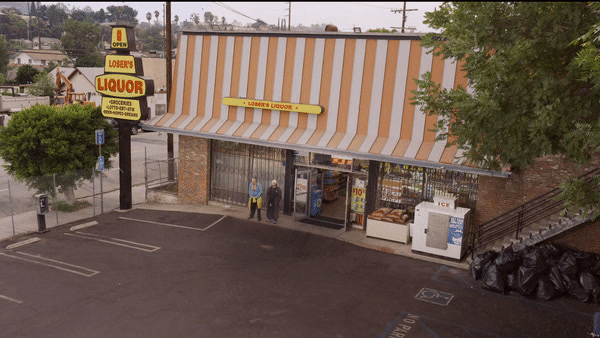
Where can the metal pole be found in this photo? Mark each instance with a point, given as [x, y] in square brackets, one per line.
[101, 187]
[55, 196]
[145, 174]
[101, 194]
[12, 214]
[94, 191]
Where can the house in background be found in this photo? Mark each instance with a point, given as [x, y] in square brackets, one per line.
[40, 59]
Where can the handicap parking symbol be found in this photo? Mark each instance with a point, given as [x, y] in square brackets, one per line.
[434, 296]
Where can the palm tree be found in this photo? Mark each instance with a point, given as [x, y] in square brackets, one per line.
[148, 17]
[156, 14]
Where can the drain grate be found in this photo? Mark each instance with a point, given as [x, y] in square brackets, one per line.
[434, 296]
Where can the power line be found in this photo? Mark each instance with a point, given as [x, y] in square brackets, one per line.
[237, 12]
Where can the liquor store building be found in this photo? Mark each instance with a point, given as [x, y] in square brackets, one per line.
[328, 115]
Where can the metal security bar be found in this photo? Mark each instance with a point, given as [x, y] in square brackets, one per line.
[234, 164]
[405, 186]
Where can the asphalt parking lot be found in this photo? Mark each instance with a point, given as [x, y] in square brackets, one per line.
[150, 273]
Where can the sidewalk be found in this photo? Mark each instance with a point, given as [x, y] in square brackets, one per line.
[27, 223]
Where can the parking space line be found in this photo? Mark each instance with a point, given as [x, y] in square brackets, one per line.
[173, 225]
[84, 271]
[11, 299]
[115, 241]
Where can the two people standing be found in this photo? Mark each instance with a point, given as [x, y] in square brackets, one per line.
[255, 200]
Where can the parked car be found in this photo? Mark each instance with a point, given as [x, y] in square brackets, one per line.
[135, 126]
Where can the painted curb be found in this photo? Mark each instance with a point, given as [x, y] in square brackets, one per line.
[25, 242]
[84, 225]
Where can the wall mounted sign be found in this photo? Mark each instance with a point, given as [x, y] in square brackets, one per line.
[294, 107]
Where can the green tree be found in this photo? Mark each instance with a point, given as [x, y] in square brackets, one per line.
[151, 37]
[45, 140]
[122, 14]
[12, 26]
[81, 40]
[25, 74]
[5, 51]
[381, 30]
[44, 85]
[528, 92]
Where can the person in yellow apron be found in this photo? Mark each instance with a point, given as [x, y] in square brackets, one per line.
[255, 200]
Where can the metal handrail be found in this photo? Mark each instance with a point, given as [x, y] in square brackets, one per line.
[514, 220]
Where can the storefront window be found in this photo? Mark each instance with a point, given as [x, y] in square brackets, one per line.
[405, 186]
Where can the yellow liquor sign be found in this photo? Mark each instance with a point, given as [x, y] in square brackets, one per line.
[122, 38]
[118, 108]
[125, 64]
[294, 107]
[121, 85]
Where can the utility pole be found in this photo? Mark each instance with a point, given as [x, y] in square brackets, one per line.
[403, 15]
[170, 148]
[289, 16]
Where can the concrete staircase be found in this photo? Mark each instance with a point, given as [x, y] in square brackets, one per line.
[537, 232]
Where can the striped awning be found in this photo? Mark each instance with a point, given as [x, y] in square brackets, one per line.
[363, 82]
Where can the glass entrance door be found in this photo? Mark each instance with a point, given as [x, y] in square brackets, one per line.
[302, 194]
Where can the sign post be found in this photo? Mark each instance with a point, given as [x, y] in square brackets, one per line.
[100, 142]
[124, 94]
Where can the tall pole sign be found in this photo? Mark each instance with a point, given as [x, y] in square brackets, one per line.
[124, 92]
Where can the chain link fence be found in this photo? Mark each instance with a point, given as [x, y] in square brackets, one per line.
[94, 193]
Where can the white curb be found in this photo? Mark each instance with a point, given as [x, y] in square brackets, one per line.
[25, 242]
[84, 225]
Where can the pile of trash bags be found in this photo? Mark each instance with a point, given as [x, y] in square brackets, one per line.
[546, 271]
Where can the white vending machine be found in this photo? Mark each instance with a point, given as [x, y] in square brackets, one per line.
[440, 228]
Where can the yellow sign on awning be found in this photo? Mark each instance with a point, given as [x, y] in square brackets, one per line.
[259, 104]
[124, 109]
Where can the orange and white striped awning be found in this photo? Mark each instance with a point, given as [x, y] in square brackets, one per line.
[363, 82]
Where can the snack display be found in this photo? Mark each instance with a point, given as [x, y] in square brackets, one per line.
[399, 216]
[380, 213]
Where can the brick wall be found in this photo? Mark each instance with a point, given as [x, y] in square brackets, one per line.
[497, 195]
[584, 237]
[194, 170]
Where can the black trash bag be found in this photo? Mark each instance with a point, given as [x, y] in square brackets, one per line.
[535, 260]
[557, 280]
[494, 278]
[480, 261]
[508, 261]
[596, 268]
[545, 288]
[577, 291]
[512, 282]
[527, 279]
[591, 284]
[550, 250]
[585, 260]
[568, 265]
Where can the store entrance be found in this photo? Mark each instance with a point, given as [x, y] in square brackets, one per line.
[321, 197]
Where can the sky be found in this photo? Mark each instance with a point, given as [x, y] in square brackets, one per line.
[345, 15]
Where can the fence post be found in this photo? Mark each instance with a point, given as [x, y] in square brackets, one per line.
[12, 214]
[519, 221]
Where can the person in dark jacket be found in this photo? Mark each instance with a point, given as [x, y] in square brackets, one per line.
[273, 198]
